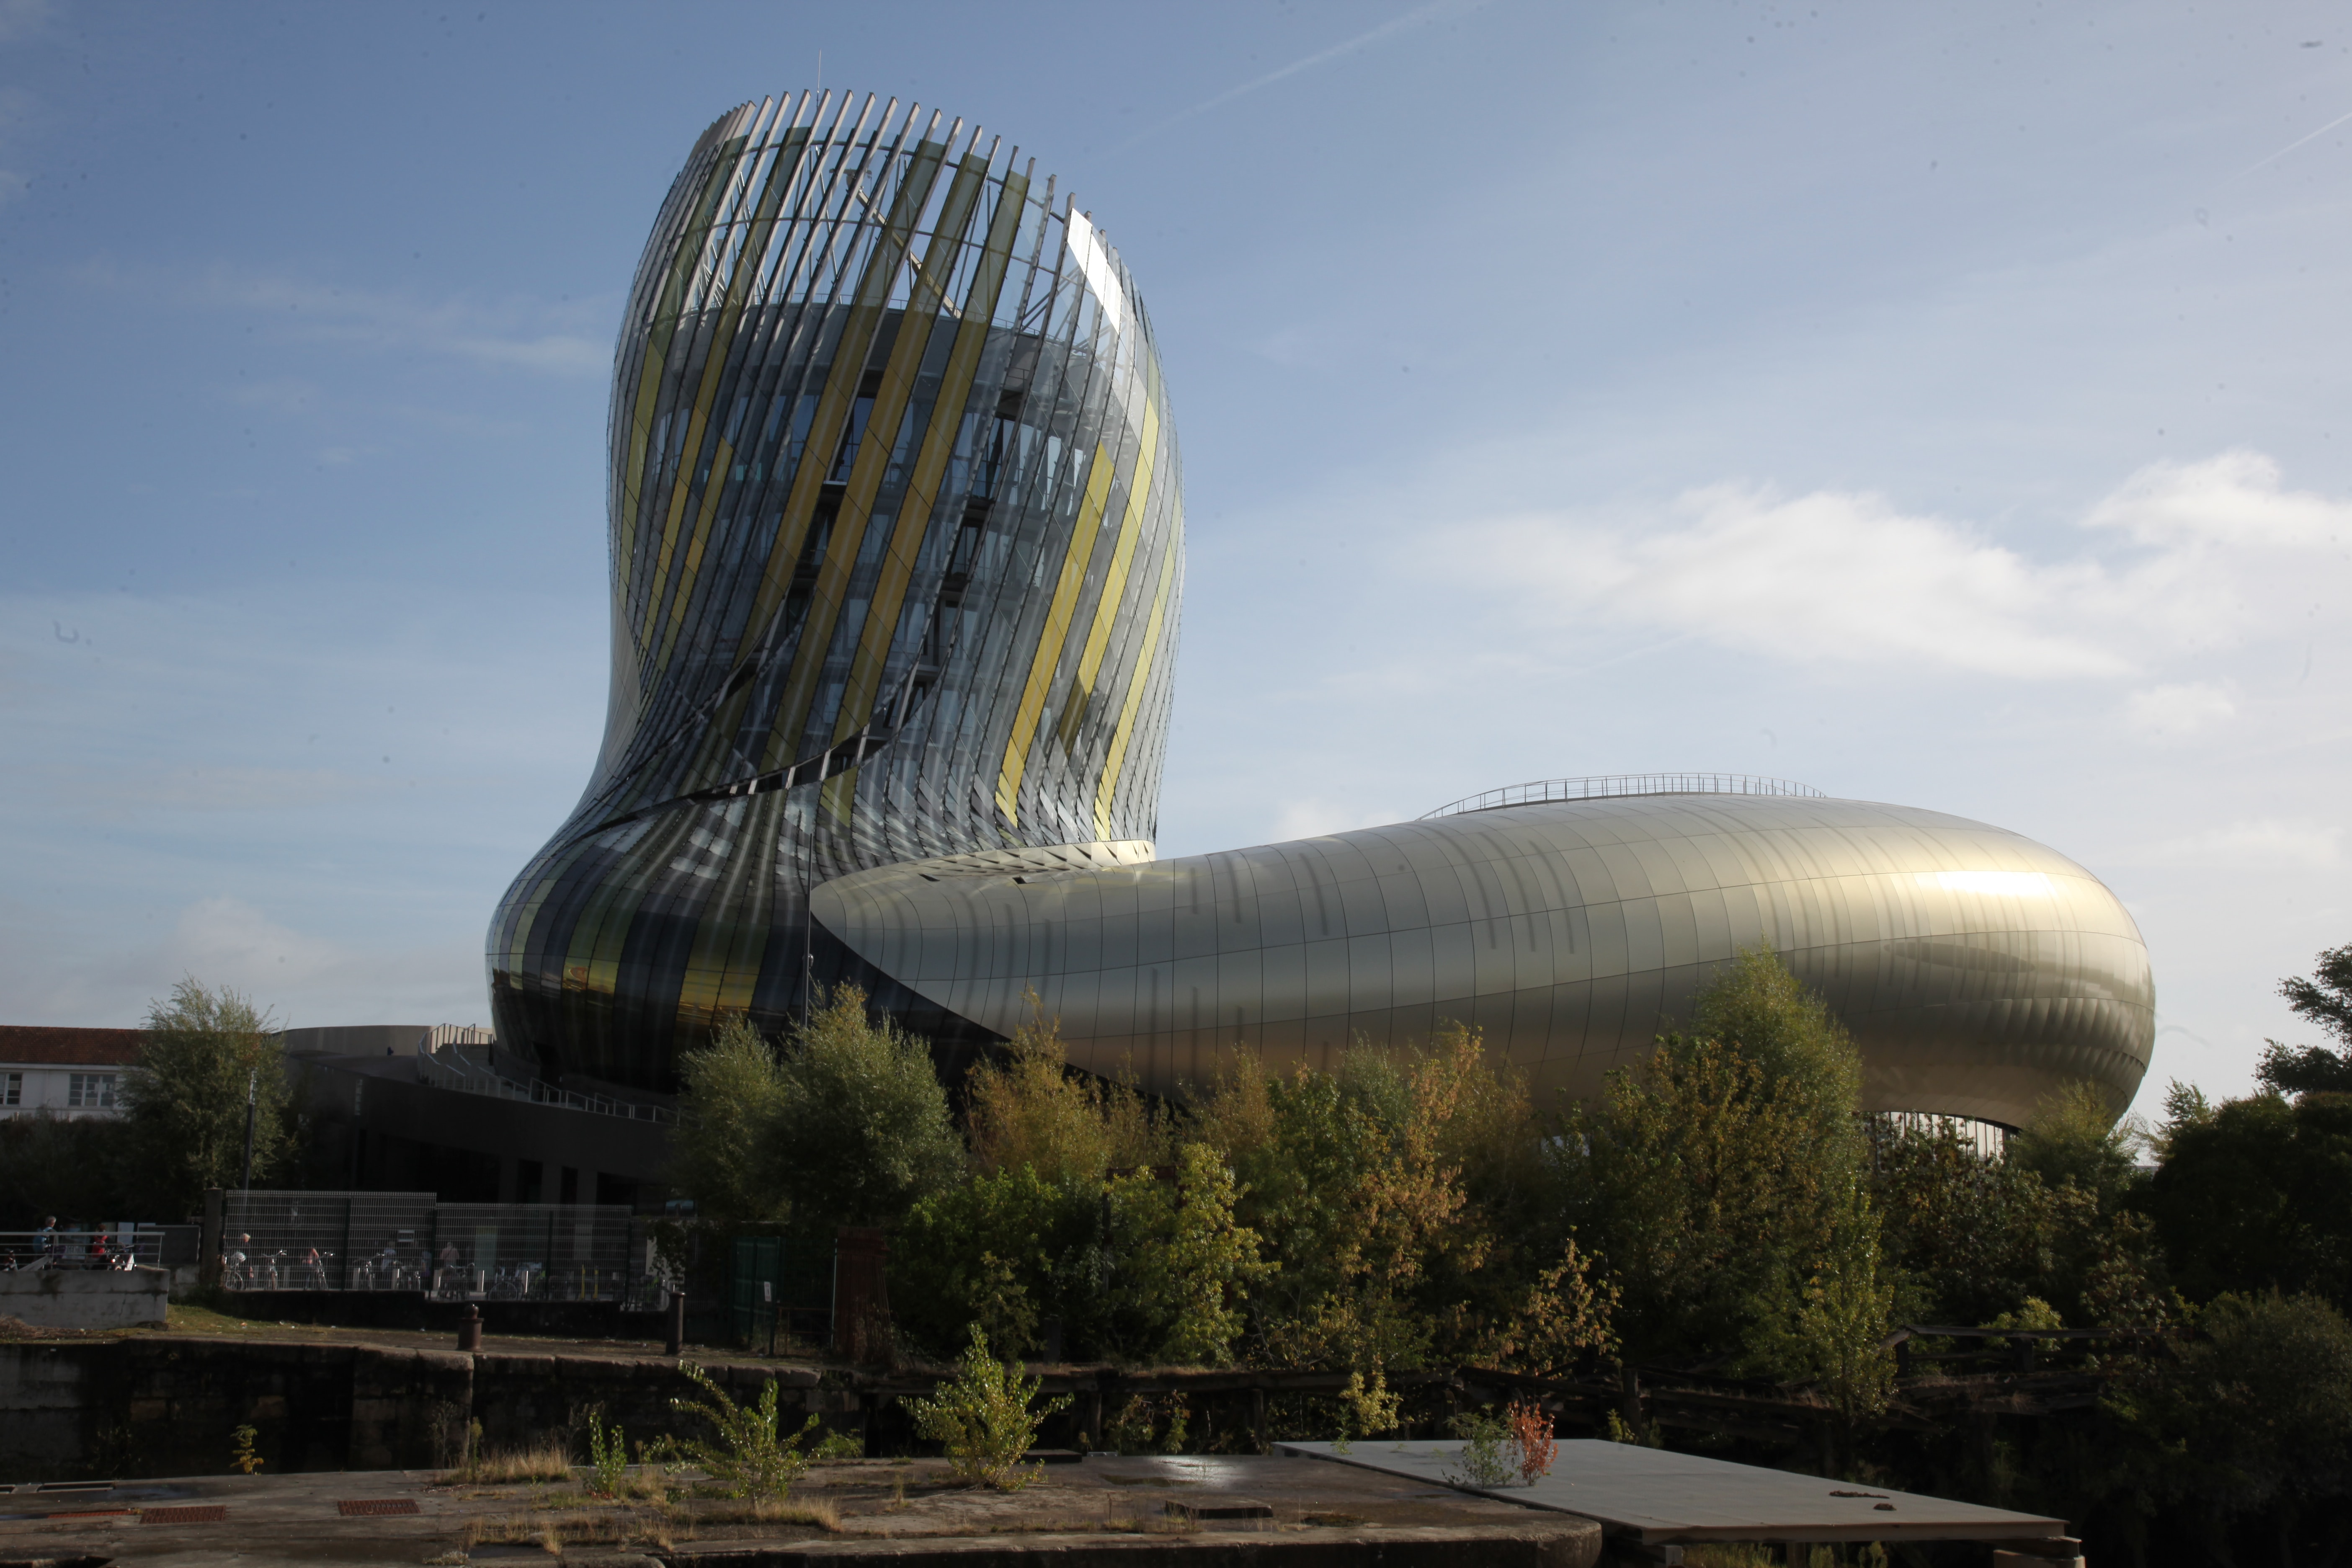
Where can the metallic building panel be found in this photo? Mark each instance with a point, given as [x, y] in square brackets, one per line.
[876, 380]
[1977, 970]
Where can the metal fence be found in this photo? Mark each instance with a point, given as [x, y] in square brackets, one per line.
[410, 1241]
[104, 1247]
[780, 1292]
[1607, 785]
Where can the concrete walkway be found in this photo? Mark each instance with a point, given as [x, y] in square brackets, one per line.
[1237, 1513]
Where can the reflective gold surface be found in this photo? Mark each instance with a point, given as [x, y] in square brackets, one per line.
[1977, 970]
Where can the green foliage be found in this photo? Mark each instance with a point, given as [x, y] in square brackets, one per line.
[861, 1130]
[185, 1096]
[241, 1454]
[2326, 1000]
[1001, 1251]
[1486, 1459]
[2075, 1141]
[728, 1104]
[2251, 1196]
[1134, 1264]
[1148, 1425]
[839, 1445]
[1407, 1198]
[2254, 1418]
[78, 1168]
[1848, 1307]
[750, 1457]
[1031, 1110]
[608, 1455]
[1971, 1239]
[1184, 1267]
[1718, 1181]
[847, 1126]
[984, 1418]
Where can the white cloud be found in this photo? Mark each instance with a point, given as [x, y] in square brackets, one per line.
[2181, 558]
[1312, 818]
[2233, 498]
[2179, 710]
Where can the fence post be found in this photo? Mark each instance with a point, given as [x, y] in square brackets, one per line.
[208, 1239]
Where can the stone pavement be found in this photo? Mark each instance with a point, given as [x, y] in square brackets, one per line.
[1230, 1512]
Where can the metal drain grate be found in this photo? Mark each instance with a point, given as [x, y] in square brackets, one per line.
[363, 1507]
[198, 1513]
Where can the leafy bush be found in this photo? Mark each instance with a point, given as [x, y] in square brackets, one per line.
[751, 1457]
[608, 1455]
[1485, 1457]
[984, 1418]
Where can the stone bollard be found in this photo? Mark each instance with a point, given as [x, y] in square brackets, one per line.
[676, 1342]
[469, 1333]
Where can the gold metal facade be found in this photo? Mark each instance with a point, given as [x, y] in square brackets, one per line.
[896, 536]
[1977, 970]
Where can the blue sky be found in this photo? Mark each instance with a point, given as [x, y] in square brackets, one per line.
[1937, 405]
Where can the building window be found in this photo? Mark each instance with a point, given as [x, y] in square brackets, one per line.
[90, 1090]
[12, 1090]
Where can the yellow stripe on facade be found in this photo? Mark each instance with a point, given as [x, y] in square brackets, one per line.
[1106, 791]
[834, 401]
[714, 370]
[1114, 588]
[932, 462]
[873, 461]
[666, 311]
[1055, 633]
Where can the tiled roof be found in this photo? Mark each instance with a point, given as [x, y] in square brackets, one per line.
[37, 1044]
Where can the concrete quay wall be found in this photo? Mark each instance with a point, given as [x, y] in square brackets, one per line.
[168, 1404]
[86, 1298]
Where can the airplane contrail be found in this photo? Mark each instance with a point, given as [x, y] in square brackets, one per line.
[1394, 24]
[2291, 146]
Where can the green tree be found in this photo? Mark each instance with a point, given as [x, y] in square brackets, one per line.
[2256, 1195]
[2326, 1000]
[2253, 1418]
[1717, 1179]
[1031, 1108]
[847, 1126]
[1971, 1238]
[1183, 1266]
[1003, 1252]
[861, 1128]
[78, 1168]
[185, 1096]
[1347, 1176]
[2076, 1139]
[726, 1113]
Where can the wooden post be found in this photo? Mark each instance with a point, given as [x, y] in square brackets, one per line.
[1257, 1419]
[676, 1340]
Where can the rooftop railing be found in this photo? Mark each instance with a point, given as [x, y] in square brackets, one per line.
[1604, 786]
[447, 1068]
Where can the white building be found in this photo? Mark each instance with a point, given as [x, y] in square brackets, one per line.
[66, 1072]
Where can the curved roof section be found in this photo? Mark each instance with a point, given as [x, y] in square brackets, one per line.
[1978, 971]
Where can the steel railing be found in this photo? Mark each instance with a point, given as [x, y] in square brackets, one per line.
[1605, 786]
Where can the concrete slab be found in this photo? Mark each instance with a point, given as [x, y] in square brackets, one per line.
[1659, 1498]
[1237, 1513]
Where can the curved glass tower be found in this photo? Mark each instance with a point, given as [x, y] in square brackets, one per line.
[897, 534]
